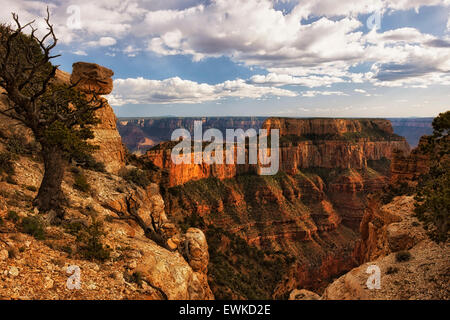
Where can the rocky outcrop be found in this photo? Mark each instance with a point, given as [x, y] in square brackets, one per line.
[421, 272]
[305, 144]
[389, 228]
[137, 267]
[406, 168]
[333, 143]
[327, 126]
[163, 273]
[311, 210]
[423, 277]
[303, 295]
[91, 78]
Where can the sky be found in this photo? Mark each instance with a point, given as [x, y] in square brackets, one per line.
[293, 58]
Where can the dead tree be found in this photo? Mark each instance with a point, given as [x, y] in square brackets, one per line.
[59, 116]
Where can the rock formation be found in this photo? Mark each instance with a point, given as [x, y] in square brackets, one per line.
[141, 134]
[92, 78]
[406, 168]
[311, 210]
[411, 265]
[135, 267]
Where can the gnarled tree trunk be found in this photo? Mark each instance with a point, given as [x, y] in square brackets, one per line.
[50, 195]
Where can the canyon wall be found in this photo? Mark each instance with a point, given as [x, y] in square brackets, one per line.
[139, 134]
[304, 220]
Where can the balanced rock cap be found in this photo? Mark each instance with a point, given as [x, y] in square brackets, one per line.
[92, 78]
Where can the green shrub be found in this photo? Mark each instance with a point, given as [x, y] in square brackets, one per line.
[403, 256]
[391, 270]
[34, 227]
[136, 176]
[6, 163]
[392, 191]
[433, 194]
[90, 245]
[17, 144]
[81, 183]
[87, 161]
[13, 216]
[135, 277]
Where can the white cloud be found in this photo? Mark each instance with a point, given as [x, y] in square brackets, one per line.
[360, 91]
[176, 90]
[80, 53]
[311, 81]
[103, 42]
[310, 94]
[253, 32]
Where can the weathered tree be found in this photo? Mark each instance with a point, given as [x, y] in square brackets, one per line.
[59, 116]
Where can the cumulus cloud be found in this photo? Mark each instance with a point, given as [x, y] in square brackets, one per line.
[294, 50]
[103, 42]
[176, 90]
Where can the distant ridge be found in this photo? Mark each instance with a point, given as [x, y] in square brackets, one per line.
[141, 133]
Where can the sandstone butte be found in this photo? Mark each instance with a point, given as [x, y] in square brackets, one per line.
[36, 269]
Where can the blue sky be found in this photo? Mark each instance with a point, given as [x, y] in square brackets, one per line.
[259, 57]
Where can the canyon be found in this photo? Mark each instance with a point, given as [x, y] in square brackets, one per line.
[140, 134]
[302, 223]
[224, 231]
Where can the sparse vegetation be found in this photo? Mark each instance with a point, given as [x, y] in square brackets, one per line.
[243, 270]
[135, 277]
[391, 270]
[136, 176]
[81, 183]
[89, 242]
[33, 226]
[433, 196]
[13, 216]
[402, 256]
[59, 116]
[6, 163]
[400, 189]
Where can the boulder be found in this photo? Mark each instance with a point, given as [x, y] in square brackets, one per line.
[92, 78]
